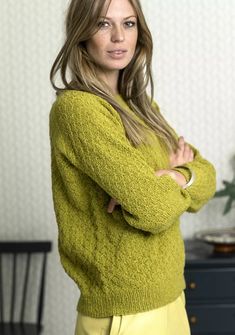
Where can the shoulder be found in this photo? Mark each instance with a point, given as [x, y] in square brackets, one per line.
[72, 99]
[82, 107]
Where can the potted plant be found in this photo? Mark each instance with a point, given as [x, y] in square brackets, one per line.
[223, 239]
[227, 191]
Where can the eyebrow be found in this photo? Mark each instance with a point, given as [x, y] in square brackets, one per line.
[109, 18]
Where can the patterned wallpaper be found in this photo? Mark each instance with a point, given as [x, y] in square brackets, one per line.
[194, 72]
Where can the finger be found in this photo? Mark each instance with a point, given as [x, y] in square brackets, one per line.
[191, 156]
[160, 173]
[179, 154]
[172, 158]
[111, 206]
[180, 150]
[181, 142]
[187, 152]
[175, 158]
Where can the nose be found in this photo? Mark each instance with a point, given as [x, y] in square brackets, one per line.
[117, 34]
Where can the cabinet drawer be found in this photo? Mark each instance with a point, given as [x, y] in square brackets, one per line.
[210, 284]
[212, 319]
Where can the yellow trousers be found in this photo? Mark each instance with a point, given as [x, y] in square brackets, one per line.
[167, 320]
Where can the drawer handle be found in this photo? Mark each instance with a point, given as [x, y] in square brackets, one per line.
[193, 320]
[192, 285]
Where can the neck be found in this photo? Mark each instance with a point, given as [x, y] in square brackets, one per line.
[111, 79]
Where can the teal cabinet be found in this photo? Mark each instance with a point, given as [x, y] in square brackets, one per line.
[210, 290]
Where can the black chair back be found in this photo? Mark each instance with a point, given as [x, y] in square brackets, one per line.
[18, 259]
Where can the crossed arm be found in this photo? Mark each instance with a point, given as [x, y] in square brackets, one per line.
[150, 203]
[183, 155]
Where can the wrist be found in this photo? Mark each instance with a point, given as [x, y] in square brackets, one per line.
[178, 177]
[188, 173]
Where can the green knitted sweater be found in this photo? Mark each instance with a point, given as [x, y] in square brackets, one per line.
[131, 260]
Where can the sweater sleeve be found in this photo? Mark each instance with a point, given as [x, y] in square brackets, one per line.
[204, 186]
[103, 152]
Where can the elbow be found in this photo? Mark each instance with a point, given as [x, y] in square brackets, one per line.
[154, 224]
[195, 206]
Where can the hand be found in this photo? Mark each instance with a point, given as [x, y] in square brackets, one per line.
[177, 176]
[184, 154]
[112, 205]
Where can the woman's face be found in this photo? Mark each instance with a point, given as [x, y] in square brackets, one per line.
[113, 45]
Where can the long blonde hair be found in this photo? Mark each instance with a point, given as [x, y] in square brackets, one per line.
[81, 23]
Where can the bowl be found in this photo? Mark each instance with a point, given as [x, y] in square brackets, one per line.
[222, 239]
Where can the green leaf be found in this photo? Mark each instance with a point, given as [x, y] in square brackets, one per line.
[221, 193]
[228, 206]
[228, 184]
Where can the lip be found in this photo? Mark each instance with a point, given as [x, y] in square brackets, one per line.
[117, 51]
[117, 54]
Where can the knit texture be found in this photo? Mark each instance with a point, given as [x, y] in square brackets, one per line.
[131, 260]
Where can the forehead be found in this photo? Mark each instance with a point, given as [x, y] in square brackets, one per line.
[118, 8]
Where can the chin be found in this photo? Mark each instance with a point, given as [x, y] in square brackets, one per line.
[118, 66]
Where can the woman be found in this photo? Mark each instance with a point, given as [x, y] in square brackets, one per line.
[121, 177]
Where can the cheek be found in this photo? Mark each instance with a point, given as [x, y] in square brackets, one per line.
[133, 43]
[133, 39]
[94, 45]
[91, 47]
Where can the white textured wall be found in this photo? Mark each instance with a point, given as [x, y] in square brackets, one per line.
[194, 70]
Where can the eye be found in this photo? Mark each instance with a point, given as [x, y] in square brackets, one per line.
[130, 24]
[103, 24]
